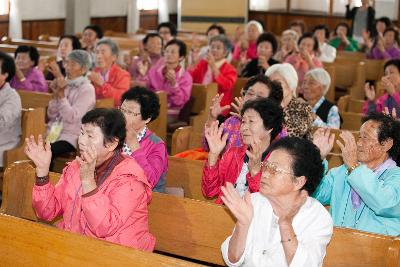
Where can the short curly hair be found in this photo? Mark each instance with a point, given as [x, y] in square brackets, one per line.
[32, 52]
[7, 65]
[148, 101]
[306, 160]
[389, 128]
[270, 38]
[180, 44]
[110, 121]
[270, 112]
[311, 36]
[276, 91]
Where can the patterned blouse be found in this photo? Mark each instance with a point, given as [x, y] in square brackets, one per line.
[298, 118]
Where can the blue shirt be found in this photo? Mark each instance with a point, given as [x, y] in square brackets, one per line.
[333, 120]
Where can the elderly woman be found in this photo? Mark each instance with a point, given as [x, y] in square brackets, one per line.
[386, 46]
[167, 31]
[90, 36]
[10, 107]
[150, 56]
[281, 225]
[391, 83]
[215, 68]
[109, 80]
[363, 193]
[316, 85]
[257, 87]
[342, 40]
[327, 53]
[266, 48]
[27, 76]
[66, 44]
[261, 123]
[72, 98]
[306, 59]
[141, 106]
[247, 48]
[288, 45]
[172, 78]
[298, 117]
[100, 194]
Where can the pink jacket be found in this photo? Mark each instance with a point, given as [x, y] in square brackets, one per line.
[117, 212]
[34, 81]
[177, 95]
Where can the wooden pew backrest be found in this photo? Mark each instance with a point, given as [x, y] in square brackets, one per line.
[25, 243]
[34, 99]
[185, 138]
[203, 96]
[105, 103]
[159, 125]
[32, 123]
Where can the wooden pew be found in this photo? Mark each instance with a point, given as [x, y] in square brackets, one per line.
[32, 123]
[374, 69]
[347, 104]
[35, 43]
[203, 96]
[184, 138]
[34, 99]
[10, 48]
[351, 121]
[331, 94]
[25, 243]
[184, 228]
[159, 125]
[237, 89]
[186, 174]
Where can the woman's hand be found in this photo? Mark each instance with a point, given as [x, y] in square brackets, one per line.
[39, 153]
[215, 108]
[170, 77]
[143, 67]
[54, 69]
[255, 157]
[393, 114]
[369, 92]
[237, 107]
[87, 163]
[263, 62]
[349, 149]
[241, 208]
[96, 78]
[216, 141]
[388, 85]
[324, 141]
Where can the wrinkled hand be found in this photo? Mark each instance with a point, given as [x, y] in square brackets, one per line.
[39, 153]
[87, 163]
[215, 108]
[237, 107]
[215, 139]
[369, 92]
[255, 157]
[263, 62]
[211, 60]
[241, 208]
[323, 139]
[96, 78]
[388, 85]
[349, 149]
[170, 76]
[393, 114]
[54, 69]
[143, 67]
[286, 214]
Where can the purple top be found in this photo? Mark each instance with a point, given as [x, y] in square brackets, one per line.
[134, 70]
[34, 81]
[393, 52]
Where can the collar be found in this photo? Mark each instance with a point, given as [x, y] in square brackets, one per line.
[105, 169]
[318, 104]
[142, 134]
[77, 82]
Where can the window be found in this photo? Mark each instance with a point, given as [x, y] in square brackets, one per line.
[4, 7]
[268, 5]
[321, 6]
[147, 4]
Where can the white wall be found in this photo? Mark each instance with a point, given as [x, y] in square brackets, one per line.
[42, 9]
[108, 8]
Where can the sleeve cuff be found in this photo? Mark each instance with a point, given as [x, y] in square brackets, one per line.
[91, 193]
[40, 181]
[225, 249]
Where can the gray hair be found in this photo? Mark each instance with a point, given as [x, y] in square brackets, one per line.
[260, 28]
[113, 46]
[292, 34]
[223, 39]
[288, 73]
[321, 76]
[81, 57]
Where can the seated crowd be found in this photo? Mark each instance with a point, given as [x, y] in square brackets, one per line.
[267, 149]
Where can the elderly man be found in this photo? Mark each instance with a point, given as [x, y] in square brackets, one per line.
[364, 192]
[109, 80]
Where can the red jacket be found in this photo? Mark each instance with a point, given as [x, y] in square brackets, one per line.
[227, 169]
[226, 80]
[117, 83]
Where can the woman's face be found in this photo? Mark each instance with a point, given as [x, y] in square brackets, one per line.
[380, 27]
[258, 90]
[91, 135]
[287, 92]
[252, 128]
[265, 49]
[307, 45]
[73, 69]
[389, 38]
[312, 89]
[218, 50]
[104, 56]
[252, 32]
[154, 46]
[341, 30]
[165, 33]
[288, 41]
[89, 38]
[212, 33]
[392, 72]
[23, 61]
[171, 54]
[133, 117]
[64, 48]
[277, 178]
[320, 35]
[368, 147]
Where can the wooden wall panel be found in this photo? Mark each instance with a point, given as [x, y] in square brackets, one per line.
[148, 19]
[116, 24]
[32, 29]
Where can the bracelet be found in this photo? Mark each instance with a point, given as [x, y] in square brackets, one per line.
[352, 168]
[22, 80]
[289, 239]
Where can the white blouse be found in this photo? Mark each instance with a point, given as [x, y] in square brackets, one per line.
[313, 227]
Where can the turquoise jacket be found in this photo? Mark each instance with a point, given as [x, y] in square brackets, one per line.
[380, 210]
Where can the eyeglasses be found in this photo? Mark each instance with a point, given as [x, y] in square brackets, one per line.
[129, 112]
[271, 167]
